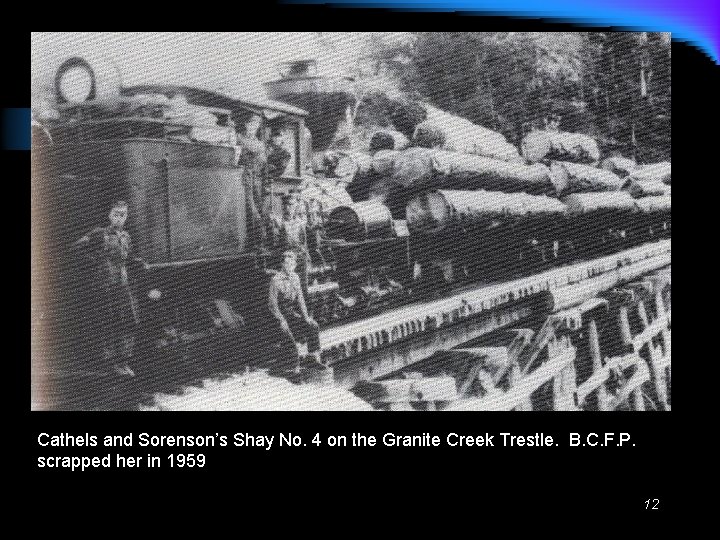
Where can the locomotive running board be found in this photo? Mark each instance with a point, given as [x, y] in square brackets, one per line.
[379, 345]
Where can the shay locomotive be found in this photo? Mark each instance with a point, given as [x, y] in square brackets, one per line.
[173, 153]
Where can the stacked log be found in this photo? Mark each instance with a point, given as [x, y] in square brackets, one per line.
[406, 114]
[614, 201]
[342, 163]
[453, 155]
[576, 178]
[443, 169]
[651, 205]
[658, 172]
[544, 145]
[621, 166]
[382, 162]
[619, 201]
[360, 221]
[435, 211]
[651, 180]
[638, 188]
[367, 178]
[428, 136]
[388, 139]
[446, 131]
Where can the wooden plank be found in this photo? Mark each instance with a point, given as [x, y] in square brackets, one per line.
[520, 393]
[664, 362]
[633, 395]
[471, 376]
[657, 371]
[600, 376]
[632, 386]
[636, 401]
[596, 357]
[416, 389]
[523, 338]
[650, 332]
[657, 374]
[530, 353]
[400, 406]
[624, 321]
[496, 361]
[564, 390]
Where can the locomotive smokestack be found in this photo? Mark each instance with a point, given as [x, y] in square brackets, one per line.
[298, 69]
[328, 100]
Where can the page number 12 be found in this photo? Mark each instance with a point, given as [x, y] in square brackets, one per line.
[652, 504]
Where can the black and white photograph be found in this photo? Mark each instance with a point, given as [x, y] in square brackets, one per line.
[351, 221]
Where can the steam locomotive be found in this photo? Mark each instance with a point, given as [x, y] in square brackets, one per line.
[204, 273]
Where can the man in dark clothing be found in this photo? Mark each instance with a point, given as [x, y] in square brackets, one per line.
[287, 305]
[252, 160]
[277, 155]
[114, 307]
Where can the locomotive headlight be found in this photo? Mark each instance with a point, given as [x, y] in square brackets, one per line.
[76, 84]
[154, 294]
[75, 81]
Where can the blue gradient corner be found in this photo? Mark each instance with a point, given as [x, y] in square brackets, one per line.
[16, 129]
[694, 21]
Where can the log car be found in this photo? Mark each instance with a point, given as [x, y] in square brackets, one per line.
[484, 235]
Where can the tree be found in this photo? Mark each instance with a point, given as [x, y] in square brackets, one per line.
[612, 85]
[502, 80]
[376, 60]
[630, 77]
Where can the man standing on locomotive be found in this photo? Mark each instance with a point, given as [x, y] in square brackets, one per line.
[291, 235]
[114, 307]
[278, 156]
[252, 159]
[287, 304]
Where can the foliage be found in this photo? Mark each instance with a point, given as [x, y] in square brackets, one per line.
[614, 86]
